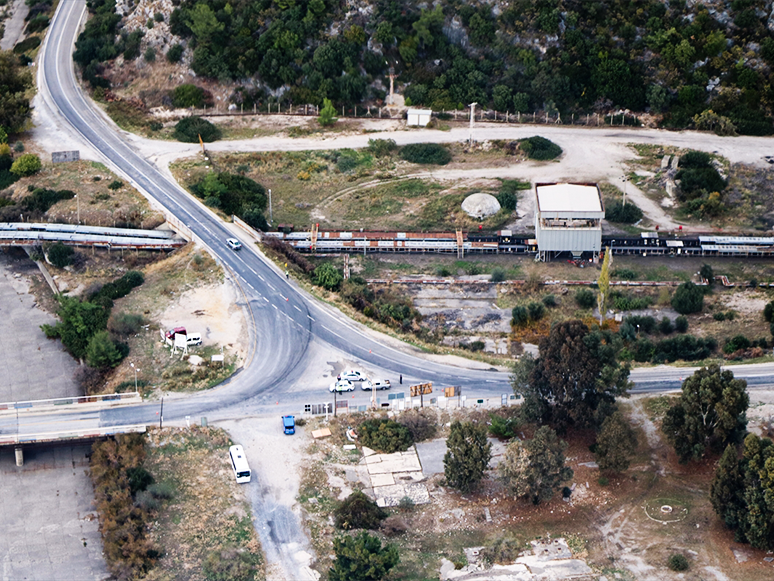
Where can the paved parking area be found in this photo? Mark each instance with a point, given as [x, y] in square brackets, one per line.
[49, 526]
[31, 366]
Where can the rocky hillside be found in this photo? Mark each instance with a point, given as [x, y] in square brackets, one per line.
[704, 63]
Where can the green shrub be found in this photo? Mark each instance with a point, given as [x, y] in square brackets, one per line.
[149, 55]
[627, 302]
[497, 275]
[39, 22]
[189, 129]
[60, 255]
[188, 95]
[643, 323]
[42, 199]
[158, 17]
[549, 301]
[719, 316]
[357, 511]
[18, 147]
[26, 165]
[139, 479]
[119, 288]
[540, 148]
[665, 326]
[29, 43]
[504, 428]
[681, 324]
[382, 147]
[386, 436]
[175, 53]
[102, 352]
[585, 298]
[736, 343]
[623, 214]
[625, 274]
[688, 298]
[328, 276]
[677, 562]
[768, 312]
[327, 114]
[519, 315]
[126, 324]
[426, 153]
[115, 185]
[536, 310]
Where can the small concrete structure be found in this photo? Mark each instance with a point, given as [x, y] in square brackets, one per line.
[395, 476]
[480, 205]
[568, 218]
[418, 117]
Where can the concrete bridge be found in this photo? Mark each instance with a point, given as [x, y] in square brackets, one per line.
[35, 234]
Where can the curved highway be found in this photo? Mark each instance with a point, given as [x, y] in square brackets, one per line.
[284, 318]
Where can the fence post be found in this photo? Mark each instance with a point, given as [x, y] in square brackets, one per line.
[380, 112]
[342, 111]
[268, 104]
[255, 108]
[279, 107]
[534, 113]
[355, 111]
[242, 107]
[506, 116]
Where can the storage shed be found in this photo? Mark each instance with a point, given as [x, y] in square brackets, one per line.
[418, 117]
[568, 218]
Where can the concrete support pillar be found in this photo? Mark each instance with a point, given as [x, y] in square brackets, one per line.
[19, 456]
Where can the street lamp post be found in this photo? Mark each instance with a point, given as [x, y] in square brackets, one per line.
[78, 204]
[271, 217]
[135, 375]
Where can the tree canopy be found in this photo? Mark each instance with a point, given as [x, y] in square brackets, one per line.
[362, 558]
[710, 413]
[742, 492]
[535, 468]
[15, 84]
[575, 379]
[616, 443]
[467, 455]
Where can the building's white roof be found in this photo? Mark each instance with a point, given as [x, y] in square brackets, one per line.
[568, 198]
[420, 112]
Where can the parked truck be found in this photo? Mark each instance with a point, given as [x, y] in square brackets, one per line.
[289, 424]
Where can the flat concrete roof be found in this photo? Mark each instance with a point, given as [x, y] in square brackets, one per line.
[568, 198]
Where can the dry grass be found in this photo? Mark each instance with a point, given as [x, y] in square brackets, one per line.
[99, 205]
[208, 511]
[183, 270]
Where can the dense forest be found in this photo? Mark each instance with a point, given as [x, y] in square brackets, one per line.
[697, 63]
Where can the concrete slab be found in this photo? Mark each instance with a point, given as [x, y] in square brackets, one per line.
[392, 495]
[382, 480]
[33, 367]
[47, 518]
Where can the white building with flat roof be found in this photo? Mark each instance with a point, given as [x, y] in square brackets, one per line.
[418, 117]
[568, 218]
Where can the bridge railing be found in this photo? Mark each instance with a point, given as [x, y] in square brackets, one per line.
[104, 400]
[82, 434]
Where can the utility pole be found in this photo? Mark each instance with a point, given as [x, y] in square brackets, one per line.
[270, 212]
[161, 415]
[472, 120]
[78, 204]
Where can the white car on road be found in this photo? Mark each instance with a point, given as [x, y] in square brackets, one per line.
[233, 243]
[376, 384]
[353, 375]
[341, 385]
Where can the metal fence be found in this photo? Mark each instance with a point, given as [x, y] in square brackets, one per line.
[616, 119]
[401, 401]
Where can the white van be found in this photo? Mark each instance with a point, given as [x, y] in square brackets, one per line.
[194, 339]
[239, 464]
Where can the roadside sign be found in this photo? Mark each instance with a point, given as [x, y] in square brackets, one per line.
[452, 391]
[421, 389]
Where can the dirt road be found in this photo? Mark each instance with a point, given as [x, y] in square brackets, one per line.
[14, 27]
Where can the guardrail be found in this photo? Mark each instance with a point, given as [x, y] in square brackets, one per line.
[83, 434]
[106, 400]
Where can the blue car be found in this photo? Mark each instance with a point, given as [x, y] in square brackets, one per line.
[289, 424]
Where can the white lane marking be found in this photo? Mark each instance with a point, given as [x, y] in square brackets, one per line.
[296, 307]
[270, 286]
[263, 279]
[310, 318]
[267, 300]
[283, 296]
[332, 332]
[251, 286]
[275, 306]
